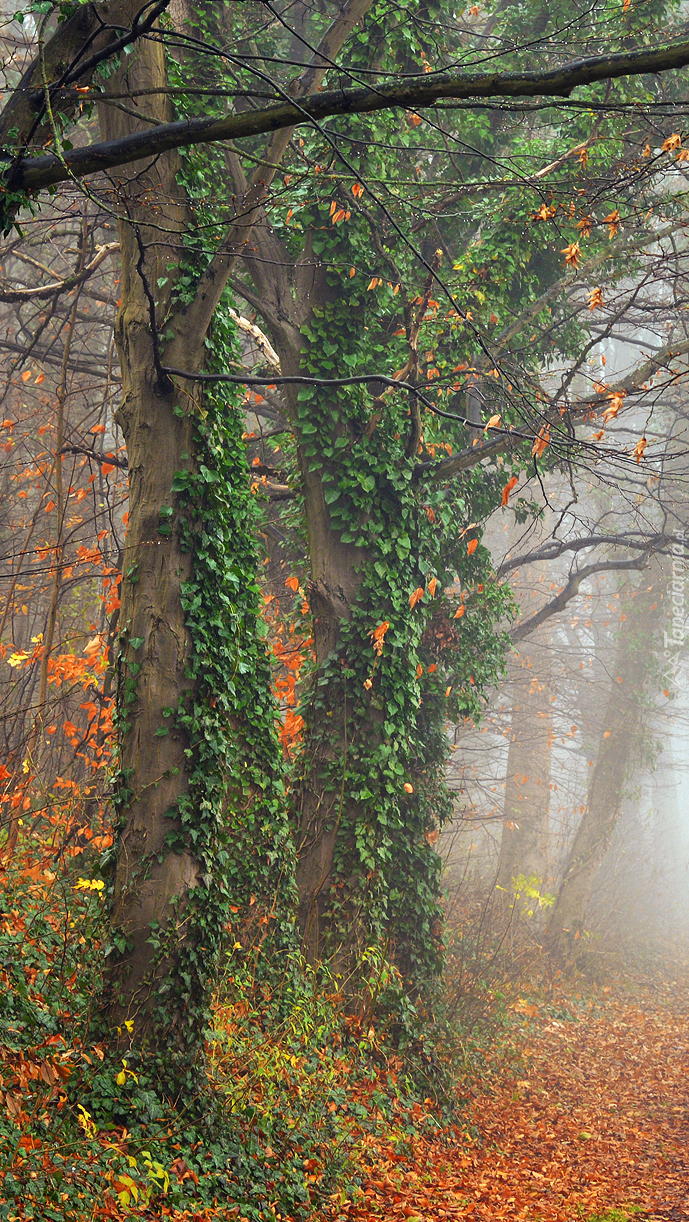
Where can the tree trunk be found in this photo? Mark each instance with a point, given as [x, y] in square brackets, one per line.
[619, 748]
[524, 844]
[203, 829]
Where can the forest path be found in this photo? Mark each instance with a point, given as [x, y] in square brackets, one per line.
[595, 1118]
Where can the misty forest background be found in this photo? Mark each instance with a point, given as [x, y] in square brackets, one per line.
[344, 724]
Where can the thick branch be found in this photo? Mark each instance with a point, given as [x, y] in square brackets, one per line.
[262, 342]
[101, 459]
[46, 171]
[237, 240]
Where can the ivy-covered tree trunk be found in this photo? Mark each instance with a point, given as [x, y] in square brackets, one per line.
[620, 749]
[390, 666]
[199, 792]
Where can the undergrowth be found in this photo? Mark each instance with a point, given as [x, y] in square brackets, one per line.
[299, 1090]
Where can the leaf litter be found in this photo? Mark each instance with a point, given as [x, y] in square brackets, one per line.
[588, 1118]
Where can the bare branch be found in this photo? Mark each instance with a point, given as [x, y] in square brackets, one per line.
[555, 547]
[34, 174]
[60, 286]
[571, 590]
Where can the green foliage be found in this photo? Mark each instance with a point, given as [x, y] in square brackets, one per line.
[376, 725]
[295, 1090]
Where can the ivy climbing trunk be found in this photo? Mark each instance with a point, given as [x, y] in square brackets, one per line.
[152, 881]
[324, 798]
[203, 831]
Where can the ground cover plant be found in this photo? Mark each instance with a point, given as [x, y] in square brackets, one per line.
[570, 1100]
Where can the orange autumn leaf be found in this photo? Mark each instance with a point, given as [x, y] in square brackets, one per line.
[416, 596]
[639, 448]
[432, 586]
[471, 546]
[505, 498]
[673, 142]
[107, 467]
[378, 637]
[572, 254]
[596, 299]
[541, 442]
[26, 375]
[459, 612]
[545, 212]
[292, 583]
[615, 401]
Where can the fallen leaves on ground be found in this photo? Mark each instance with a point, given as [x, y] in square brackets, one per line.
[595, 1118]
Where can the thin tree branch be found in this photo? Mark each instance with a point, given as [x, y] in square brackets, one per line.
[60, 286]
[556, 547]
[572, 589]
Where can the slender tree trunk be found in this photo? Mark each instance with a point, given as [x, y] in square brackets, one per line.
[524, 844]
[619, 748]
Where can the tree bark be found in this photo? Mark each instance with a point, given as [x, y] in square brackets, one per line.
[618, 750]
[524, 844]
